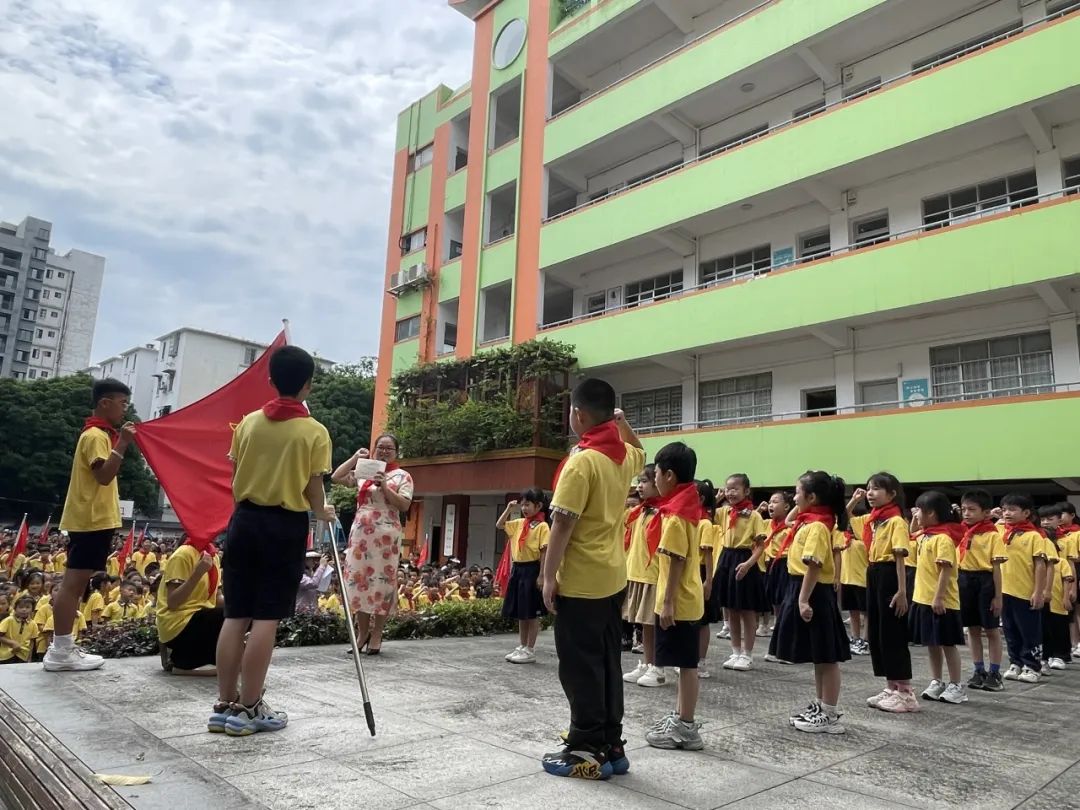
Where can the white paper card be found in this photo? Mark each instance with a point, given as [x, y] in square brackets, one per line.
[366, 468]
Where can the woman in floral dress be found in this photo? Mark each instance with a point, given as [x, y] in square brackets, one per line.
[371, 560]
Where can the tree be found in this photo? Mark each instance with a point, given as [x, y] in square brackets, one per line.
[344, 500]
[42, 420]
[343, 400]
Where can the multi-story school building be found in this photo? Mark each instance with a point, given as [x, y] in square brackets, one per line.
[839, 234]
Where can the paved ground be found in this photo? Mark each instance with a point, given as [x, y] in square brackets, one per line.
[459, 728]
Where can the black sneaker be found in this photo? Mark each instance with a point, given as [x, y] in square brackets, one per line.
[993, 682]
[616, 755]
[978, 680]
[581, 762]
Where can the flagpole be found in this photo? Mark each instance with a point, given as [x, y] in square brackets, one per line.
[286, 330]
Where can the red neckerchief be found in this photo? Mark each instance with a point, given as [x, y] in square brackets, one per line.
[632, 518]
[603, 438]
[877, 515]
[523, 535]
[733, 515]
[282, 409]
[977, 528]
[212, 574]
[1072, 528]
[102, 424]
[812, 514]
[364, 493]
[684, 502]
[955, 531]
[775, 527]
[1013, 529]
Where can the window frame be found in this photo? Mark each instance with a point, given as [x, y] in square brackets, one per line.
[635, 293]
[761, 385]
[970, 385]
[637, 404]
[755, 261]
[400, 334]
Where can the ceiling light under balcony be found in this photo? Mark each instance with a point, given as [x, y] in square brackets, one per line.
[747, 206]
[747, 87]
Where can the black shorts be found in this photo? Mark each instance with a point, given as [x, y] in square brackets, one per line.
[678, 645]
[89, 551]
[929, 629]
[263, 561]
[976, 595]
[853, 597]
[196, 646]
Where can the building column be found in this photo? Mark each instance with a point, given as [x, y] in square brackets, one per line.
[838, 230]
[1066, 349]
[844, 370]
[1048, 174]
[689, 402]
[690, 270]
[1032, 10]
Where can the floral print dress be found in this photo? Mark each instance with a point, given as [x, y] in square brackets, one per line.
[371, 560]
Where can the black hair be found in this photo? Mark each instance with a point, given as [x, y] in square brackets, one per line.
[936, 502]
[706, 491]
[1020, 500]
[678, 458]
[980, 497]
[24, 580]
[391, 437]
[1053, 510]
[106, 388]
[534, 495]
[596, 397]
[789, 499]
[95, 583]
[24, 598]
[742, 478]
[890, 483]
[829, 491]
[291, 368]
[1066, 508]
[648, 472]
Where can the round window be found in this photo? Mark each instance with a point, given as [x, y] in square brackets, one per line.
[508, 44]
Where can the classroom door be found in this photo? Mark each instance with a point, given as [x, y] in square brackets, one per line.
[482, 532]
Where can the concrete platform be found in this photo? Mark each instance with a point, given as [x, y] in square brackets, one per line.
[460, 728]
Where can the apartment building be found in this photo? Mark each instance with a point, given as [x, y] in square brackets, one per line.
[836, 234]
[137, 369]
[48, 303]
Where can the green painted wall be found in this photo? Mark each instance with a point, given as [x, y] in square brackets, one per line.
[450, 280]
[504, 12]
[749, 41]
[1038, 244]
[497, 262]
[416, 123]
[406, 354]
[457, 107]
[856, 447]
[503, 166]
[409, 304]
[417, 199]
[939, 101]
[455, 190]
[587, 20]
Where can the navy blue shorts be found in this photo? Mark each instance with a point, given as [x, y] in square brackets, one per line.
[263, 562]
[678, 645]
[976, 597]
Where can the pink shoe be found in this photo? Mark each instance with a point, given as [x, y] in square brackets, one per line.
[900, 703]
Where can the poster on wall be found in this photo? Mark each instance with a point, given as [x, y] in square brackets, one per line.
[782, 257]
[915, 391]
[448, 530]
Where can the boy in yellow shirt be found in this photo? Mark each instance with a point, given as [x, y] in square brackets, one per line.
[1023, 586]
[124, 608]
[680, 595]
[584, 576]
[981, 554]
[18, 633]
[280, 455]
[91, 516]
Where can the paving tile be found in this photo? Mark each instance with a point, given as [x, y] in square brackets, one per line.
[541, 791]
[802, 793]
[321, 785]
[1063, 791]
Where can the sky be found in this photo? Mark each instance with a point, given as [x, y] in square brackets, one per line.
[231, 160]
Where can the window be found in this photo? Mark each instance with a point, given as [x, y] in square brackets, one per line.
[746, 263]
[735, 399]
[21, 355]
[18, 375]
[43, 233]
[39, 253]
[960, 49]
[870, 230]
[998, 367]
[47, 355]
[496, 303]
[658, 408]
[40, 332]
[994, 195]
[61, 274]
[48, 273]
[449, 338]
[29, 314]
[32, 374]
[737, 139]
[250, 353]
[34, 295]
[407, 328]
[35, 353]
[812, 245]
[53, 314]
[455, 249]
[165, 410]
[421, 157]
[505, 116]
[413, 241]
[655, 288]
[44, 375]
[51, 333]
[595, 303]
[809, 110]
[24, 334]
[863, 89]
[1072, 175]
[57, 295]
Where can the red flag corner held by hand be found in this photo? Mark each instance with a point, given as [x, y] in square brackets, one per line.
[188, 449]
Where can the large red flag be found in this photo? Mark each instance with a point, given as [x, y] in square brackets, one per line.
[21, 541]
[502, 573]
[125, 550]
[188, 449]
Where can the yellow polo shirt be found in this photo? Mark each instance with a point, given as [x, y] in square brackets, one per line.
[679, 537]
[1063, 575]
[60, 563]
[170, 623]
[748, 527]
[853, 562]
[593, 487]
[891, 538]
[25, 633]
[932, 552]
[536, 540]
[94, 604]
[1018, 572]
[639, 567]
[984, 549]
[89, 506]
[814, 543]
[142, 560]
[116, 612]
[276, 460]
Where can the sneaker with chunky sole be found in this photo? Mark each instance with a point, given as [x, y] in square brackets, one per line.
[703, 671]
[934, 691]
[663, 721]
[1012, 673]
[900, 703]
[73, 659]
[219, 717]
[954, 693]
[820, 723]
[676, 735]
[250, 720]
[524, 656]
[513, 652]
[634, 675]
[993, 682]
[812, 708]
[581, 762]
[1028, 675]
[725, 631]
[638, 649]
[1056, 663]
[620, 764]
[977, 680]
[652, 678]
[743, 663]
[875, 701]
[729, 662]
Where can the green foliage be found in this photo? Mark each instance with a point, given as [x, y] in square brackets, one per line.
[343, 400]
[42, 421]
[124, 640]
[344, 500]
[507, 398]
[312, 629]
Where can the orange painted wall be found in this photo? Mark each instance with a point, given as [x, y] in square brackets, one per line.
[429, 308]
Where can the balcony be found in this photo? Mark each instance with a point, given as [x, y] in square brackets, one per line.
[855, 444]
[897, 115]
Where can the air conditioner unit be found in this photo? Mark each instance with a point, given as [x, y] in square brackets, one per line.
[416, 276]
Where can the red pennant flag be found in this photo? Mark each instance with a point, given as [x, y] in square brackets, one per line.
[502, 573]
[188, 449]
[310, 539]
[125, 551]
[424, 553]
[21, 539]
[43, 535]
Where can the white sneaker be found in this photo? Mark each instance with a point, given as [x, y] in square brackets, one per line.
[73, 659]
[634, 675]
[524, 656]
[875, 701]
[772, 659]
[954, 693]
[1056, 663]
[729, 663]
[637, 649]
[819, 723]
[1028, 675]
[653, 677]
[743, 663]
[703, 671]
[514, 652]
[725, 631]
[934, 691]
[1045, 671]
[1012, 673]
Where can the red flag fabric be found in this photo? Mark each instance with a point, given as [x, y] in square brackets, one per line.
[43, 535]
[502, 573]
[310, 539]
[125, 551]
[188, 449]
[21, 540]
[424, 553]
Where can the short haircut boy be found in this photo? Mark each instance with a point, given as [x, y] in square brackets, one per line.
[980, 497]
[107, 387]
[678, 458]
[291, 368]
[595, 396]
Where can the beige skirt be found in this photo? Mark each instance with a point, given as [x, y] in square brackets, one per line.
[639, 607]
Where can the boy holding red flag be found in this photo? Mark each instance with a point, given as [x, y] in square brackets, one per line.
[584, 576]
[91, 516]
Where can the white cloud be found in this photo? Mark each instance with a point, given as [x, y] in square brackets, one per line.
[232, 160]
